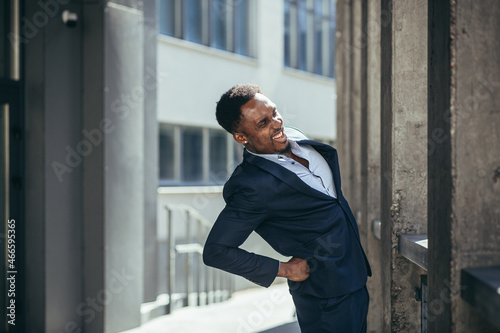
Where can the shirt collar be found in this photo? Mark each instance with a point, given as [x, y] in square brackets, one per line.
[297, 150]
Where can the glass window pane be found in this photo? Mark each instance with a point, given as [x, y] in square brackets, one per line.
[192, 155]
[166, 160]
[192, 24]
[218, 24]
[218, 157]
[302, 43]
[332, 38]
[318, 45]
[287, 33]
[294, 34]
[309, 35]
[241, 27]
[167, 17]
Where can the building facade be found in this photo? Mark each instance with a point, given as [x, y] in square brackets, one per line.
[206, 47]
[105, 101]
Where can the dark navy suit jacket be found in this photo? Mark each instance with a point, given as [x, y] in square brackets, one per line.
[296, 220]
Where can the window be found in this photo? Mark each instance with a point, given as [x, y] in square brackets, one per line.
[221, 24]
[218, 156]
[196, 156]
[167, 156]
[310, 35]
[192, 155]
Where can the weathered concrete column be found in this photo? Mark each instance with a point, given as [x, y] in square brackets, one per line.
[358, 140]
[357, 47]
[403, 155]
[464, 163]
[351, 43]
[370, 173]
[343, 81]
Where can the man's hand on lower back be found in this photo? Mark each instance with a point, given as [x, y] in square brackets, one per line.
[296, 269]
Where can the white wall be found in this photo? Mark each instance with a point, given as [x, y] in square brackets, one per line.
[193, 76]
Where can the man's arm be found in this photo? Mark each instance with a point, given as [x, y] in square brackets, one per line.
[232, 228]
[244, 212]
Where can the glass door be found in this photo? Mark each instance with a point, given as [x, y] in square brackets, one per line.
[11, 208]
[11, 171]
[4, 205]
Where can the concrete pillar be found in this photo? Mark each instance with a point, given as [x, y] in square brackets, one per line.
[115, 85]
[151, 153]
[358, 140]
[403, 155]
[53, 243]
[464, 164]
[343, 81]
[371, 155]
[357, 47]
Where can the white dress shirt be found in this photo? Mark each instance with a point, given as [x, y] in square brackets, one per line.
[318, 175]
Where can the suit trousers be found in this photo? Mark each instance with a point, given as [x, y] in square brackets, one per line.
[342, 314]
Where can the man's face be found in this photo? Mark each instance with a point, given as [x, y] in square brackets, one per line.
[261, 127]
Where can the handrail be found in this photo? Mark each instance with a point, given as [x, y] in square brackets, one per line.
[222, 283]
[414, 248]
[191, 210]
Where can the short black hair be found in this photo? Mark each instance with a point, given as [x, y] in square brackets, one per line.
[228, 110]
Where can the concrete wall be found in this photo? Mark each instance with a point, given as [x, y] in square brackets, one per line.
[371, 157]
[425, 91]
[382, 138]
[463, 133]
[194, 76]
[404, 157]
[358, 118]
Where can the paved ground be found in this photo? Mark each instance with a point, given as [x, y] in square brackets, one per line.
[292, 327]
[254, 310]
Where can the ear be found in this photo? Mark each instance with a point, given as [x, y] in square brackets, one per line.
[240, 138]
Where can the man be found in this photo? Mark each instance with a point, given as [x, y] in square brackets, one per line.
[289, 193]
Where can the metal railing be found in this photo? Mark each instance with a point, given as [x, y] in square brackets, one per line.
[202, 285]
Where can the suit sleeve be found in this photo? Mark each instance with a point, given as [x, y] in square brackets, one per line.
[243, 213]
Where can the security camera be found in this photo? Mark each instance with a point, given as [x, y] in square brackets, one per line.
[69, 18]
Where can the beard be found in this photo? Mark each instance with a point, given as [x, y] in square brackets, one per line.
[288, 149]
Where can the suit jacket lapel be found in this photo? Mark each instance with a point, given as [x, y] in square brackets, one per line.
[330, 155]
[283, 174]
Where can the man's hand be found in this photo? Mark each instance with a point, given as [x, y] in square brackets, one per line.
[296, 269]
